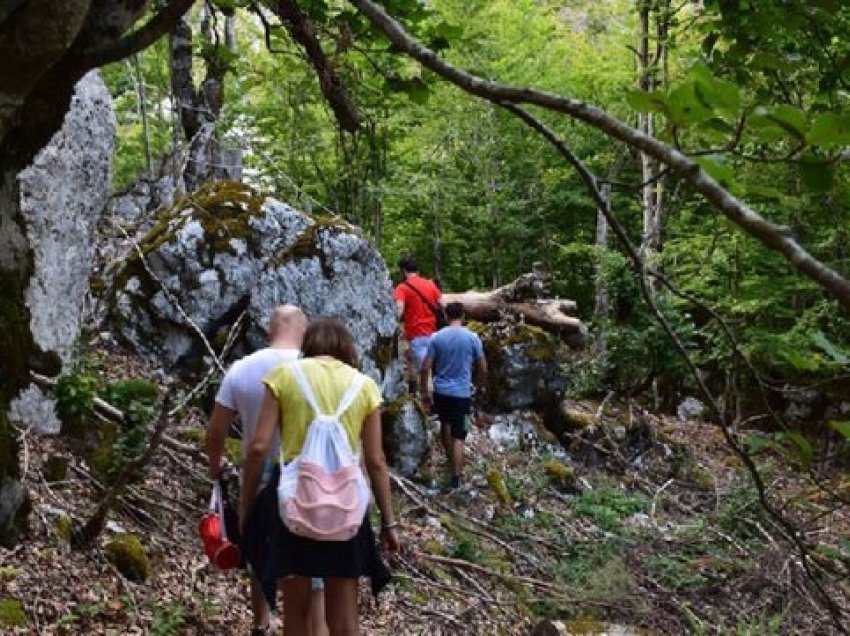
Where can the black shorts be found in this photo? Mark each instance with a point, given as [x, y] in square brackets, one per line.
[454, 412]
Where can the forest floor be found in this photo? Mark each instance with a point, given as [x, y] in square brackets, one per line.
[658, 532]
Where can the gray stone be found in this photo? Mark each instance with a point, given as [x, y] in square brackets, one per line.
[524, 367]
[690, 408]
[33, 408]
[405, 437]
[14, 508]
[229, 250]
[63, 196]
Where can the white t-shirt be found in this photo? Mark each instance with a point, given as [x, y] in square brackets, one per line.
[242, 390]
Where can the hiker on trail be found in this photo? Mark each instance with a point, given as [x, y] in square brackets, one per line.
[302, 399]
[418, 305]
[242, 393]
[452, 353]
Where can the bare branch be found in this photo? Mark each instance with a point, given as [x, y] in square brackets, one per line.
[141, 38]
[775, 237]
[301, 30]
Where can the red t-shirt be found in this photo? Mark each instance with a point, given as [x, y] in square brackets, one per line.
[418, 318]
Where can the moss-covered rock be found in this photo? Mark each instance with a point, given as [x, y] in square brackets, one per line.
[525, 369]
[12, 613]
[497, 483]
[129, 557]
[560, 474]
[63, 526]
[228, 250]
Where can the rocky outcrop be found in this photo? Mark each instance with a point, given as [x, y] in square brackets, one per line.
[228, 250]
[525, 366]
[63, 195]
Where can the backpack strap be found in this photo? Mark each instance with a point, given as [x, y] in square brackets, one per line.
[305, 387]
[350, 394]
[421, 296]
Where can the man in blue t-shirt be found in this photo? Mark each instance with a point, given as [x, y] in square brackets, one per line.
[452, 354]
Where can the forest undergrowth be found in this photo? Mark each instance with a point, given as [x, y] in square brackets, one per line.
[659, 532]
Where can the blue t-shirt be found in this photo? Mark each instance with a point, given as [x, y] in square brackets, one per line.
[454, 351]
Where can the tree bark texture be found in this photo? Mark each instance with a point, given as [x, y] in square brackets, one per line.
[775, 237]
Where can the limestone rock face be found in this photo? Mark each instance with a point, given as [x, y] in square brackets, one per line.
[405, 435]
[226, 251]
[524, 366]
[63, 195]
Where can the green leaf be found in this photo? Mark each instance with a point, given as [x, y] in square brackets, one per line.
[816, 174]
[804, 448]
[647, 102]
[791, 120]
[843, 428]
[416, 89]
[830, 129]
[758, 442]
[685, 107]
[718, 168]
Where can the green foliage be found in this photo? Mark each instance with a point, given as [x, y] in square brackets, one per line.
[608, 506]
[168, 619]
[75, 393]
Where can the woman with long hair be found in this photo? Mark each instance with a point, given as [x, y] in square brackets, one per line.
[329, 366]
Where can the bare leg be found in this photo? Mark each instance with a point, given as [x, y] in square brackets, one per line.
[296, 604]
[259, 607]
[457, 457]
[448, 445]
[318, 626]
[341, 607]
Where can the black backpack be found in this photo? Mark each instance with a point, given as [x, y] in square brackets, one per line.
[437, 310]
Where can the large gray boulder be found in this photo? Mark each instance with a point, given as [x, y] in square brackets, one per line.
[63, 195]
[228, 251]
[525, 366]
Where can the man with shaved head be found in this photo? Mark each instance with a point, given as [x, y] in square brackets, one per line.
[241, 392]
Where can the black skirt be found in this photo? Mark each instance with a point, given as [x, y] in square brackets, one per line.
[275, 553]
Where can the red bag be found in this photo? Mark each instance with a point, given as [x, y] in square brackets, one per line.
[220, 551]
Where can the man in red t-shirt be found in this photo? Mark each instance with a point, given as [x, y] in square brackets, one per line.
[416, 298]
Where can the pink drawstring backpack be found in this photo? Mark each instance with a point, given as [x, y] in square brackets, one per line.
[323, 494]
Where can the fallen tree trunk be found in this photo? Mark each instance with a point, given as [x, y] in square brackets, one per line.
[523, 299]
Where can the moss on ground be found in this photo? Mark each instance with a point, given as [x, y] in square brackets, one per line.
[497, 483]
[12, 613]
[128, 556]
[560, 474]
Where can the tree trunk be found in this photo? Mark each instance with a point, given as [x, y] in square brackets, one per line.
[601, 305]
[650, 192]
[524, 299]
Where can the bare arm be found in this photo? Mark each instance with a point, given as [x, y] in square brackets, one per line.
[481, 373]
[399, 309]
[257, 451]
[376, 466]
[217, 429]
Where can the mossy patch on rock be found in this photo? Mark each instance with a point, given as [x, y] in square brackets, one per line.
[560, 474]
[128, 556]
[7, 572]
[497, 483]
[64, 527]
[12, 613]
